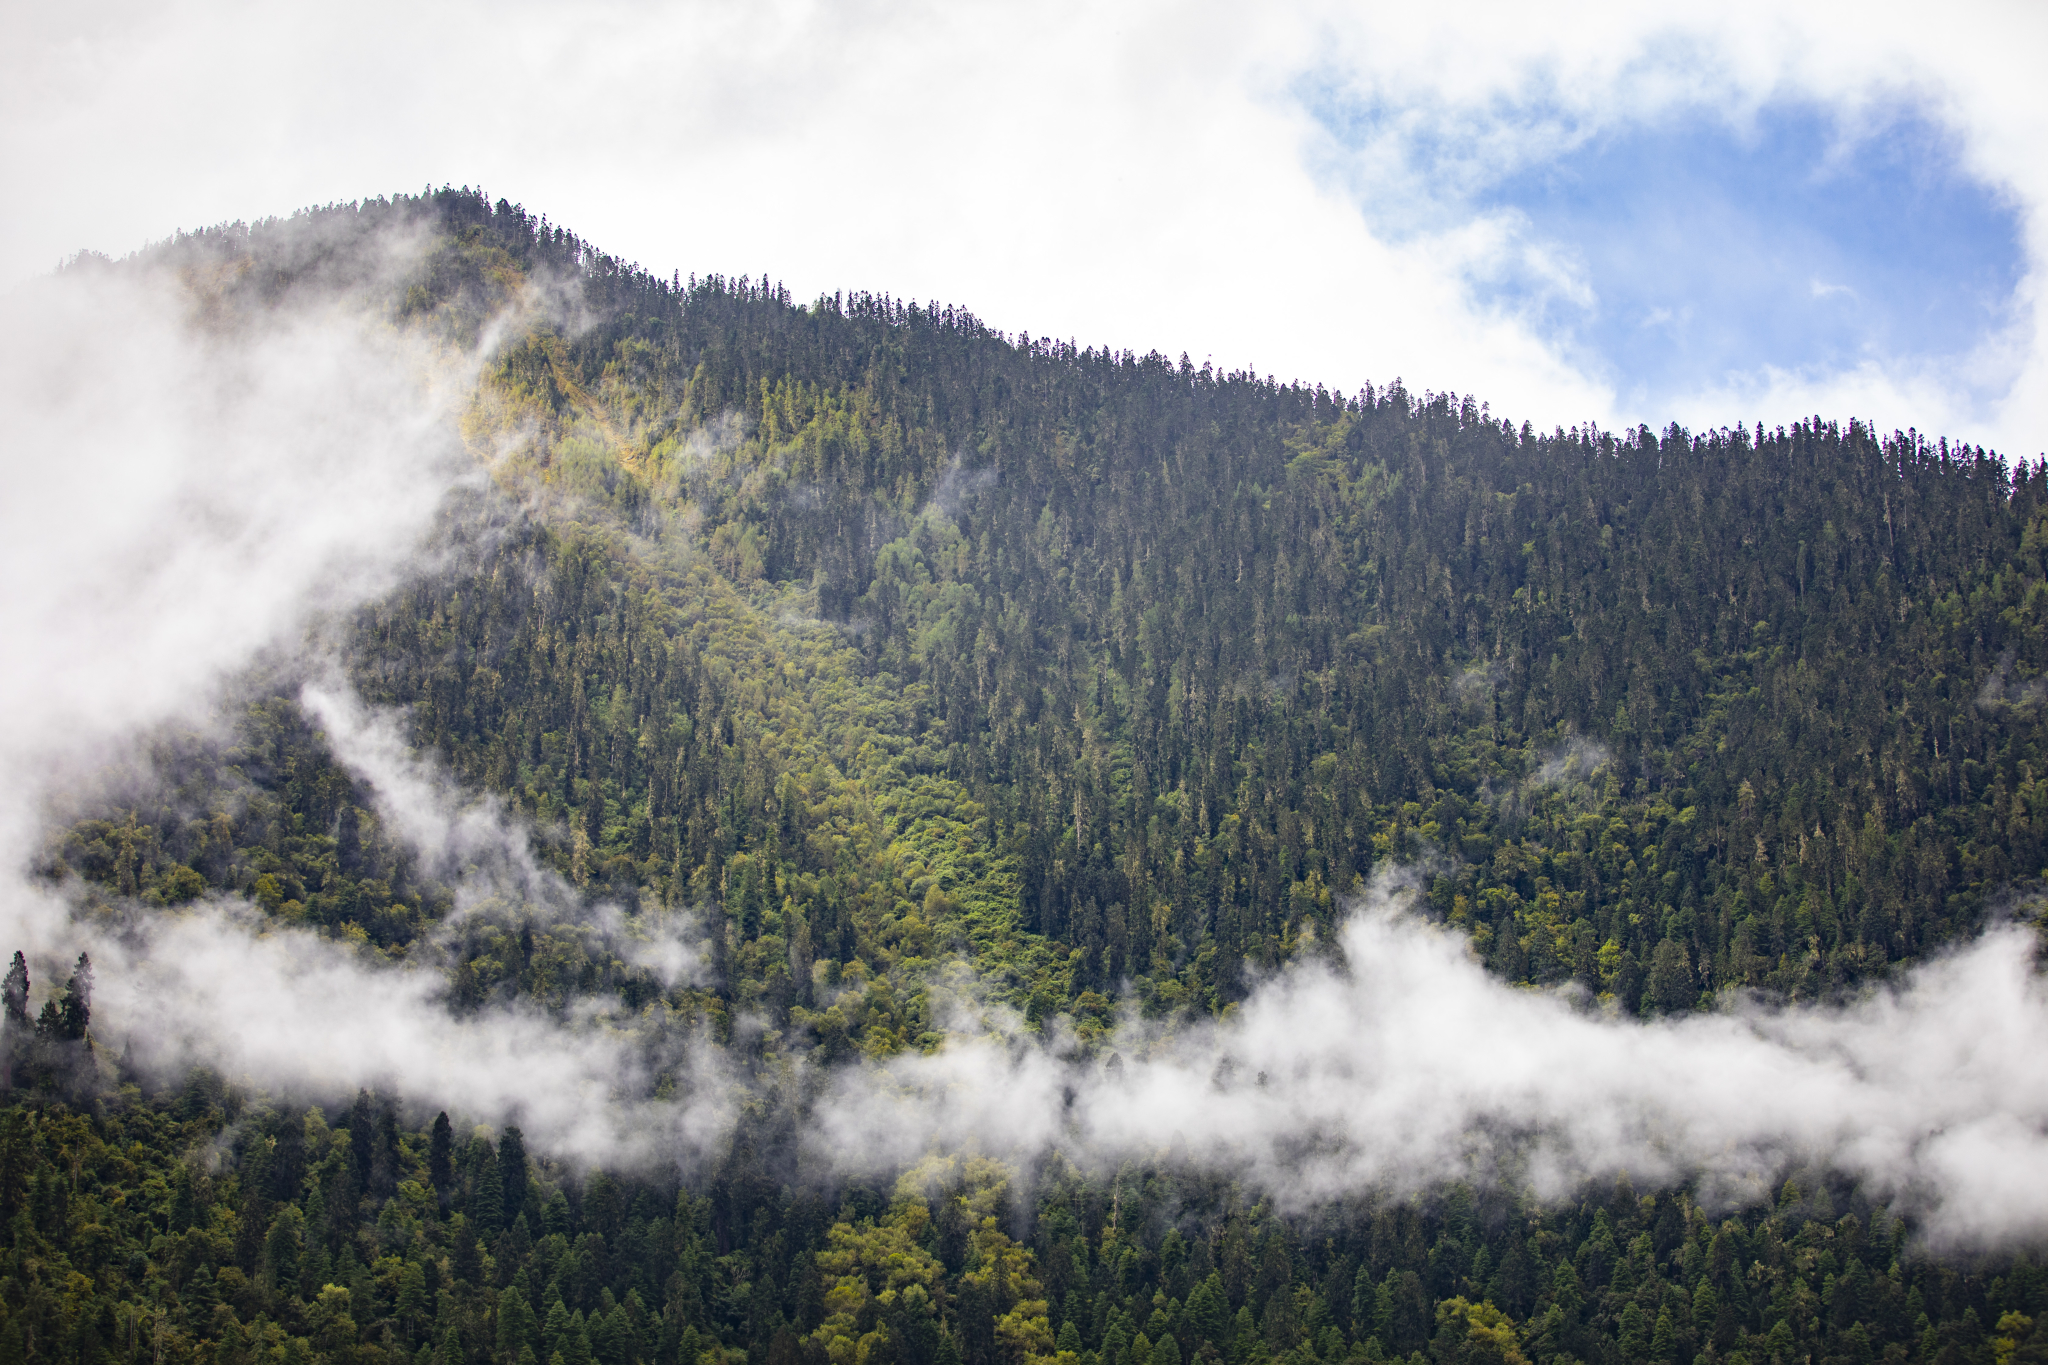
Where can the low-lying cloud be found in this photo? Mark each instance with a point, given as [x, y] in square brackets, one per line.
[483, 850]
[1568, 767]
[469, 840]
[296, 1012]
[1405, 1066]
[1411, 1065]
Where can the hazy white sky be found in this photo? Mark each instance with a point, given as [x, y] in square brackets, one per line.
[1715, 212]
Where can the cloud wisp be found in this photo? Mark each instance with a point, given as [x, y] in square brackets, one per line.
[196, 481]
[484, 850]
[473, 842]
[1411, 1065]
[307, 1016]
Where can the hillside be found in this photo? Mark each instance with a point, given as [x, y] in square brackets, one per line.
[880, 642]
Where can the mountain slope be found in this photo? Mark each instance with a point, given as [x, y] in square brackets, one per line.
[1668, 713]
[919, 664]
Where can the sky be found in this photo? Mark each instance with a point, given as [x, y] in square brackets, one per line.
[1706, 213]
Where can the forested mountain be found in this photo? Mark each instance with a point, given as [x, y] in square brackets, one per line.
[879, 639]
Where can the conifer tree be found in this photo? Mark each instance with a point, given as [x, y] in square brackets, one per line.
[441, 1156]
[516, 1326]
[486, 1206]
[512, 1169]
[19, 1033]
[385, 1161]
[74, 1012]
[15, 993]
[362, 1138]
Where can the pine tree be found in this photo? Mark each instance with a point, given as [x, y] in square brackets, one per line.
[15, 992]
[577, 1349]
[554, 1333]
[611, 1335]
[441, 1156]
[19, 1033]
[512, 1169]
[1664, 1337]
[486, 1207]
[362, 1138]
[76, 1009]
[384, 1162]
[515, 1322]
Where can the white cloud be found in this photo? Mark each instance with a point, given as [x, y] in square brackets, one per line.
[304, 1014]
[470, 839]
[188, 490]
[1502, 86]
[181, 495]
[1137, 174]
[484, 849]
[1413, 1065]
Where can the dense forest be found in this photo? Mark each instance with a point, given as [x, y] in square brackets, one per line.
[880, 640]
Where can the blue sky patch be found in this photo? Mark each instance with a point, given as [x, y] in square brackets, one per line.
[1701, 250]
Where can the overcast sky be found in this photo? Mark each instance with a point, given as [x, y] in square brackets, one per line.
[1711, 213]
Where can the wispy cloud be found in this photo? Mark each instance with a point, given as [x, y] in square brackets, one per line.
[183, 494]
[225, 479]
[483, 849]
[1408, 1064]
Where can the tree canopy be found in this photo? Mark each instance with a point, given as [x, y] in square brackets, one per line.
[877, 638]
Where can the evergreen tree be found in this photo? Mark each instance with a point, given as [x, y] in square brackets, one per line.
[75, 1010]
[362, 1138]
[516, 1324]
[513, 1171]
[441, 1156]
[486, 1206]
[384, 1162]
[18, 1032]
[15, 994]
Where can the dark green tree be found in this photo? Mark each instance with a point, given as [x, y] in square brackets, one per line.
[513, 1171]
[441, 1156]
[486, 1206]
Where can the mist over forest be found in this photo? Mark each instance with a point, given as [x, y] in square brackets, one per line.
[559, 817]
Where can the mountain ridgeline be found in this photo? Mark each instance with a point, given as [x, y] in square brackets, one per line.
[880, 639]
[1158, 663]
